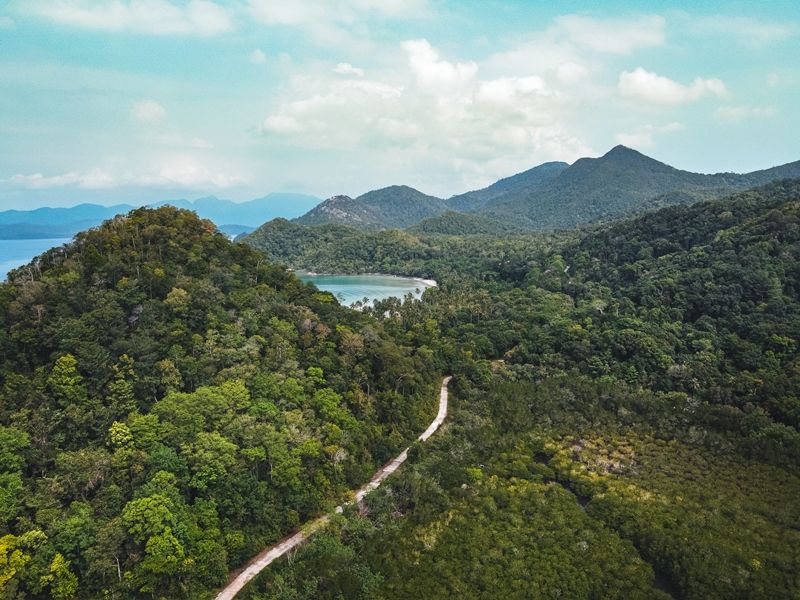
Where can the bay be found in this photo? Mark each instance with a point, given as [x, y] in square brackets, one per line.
[351, 288]
[15, 253]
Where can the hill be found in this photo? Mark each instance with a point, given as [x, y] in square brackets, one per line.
[338, 248]
[393, 207]
[171, 401]
[619, 183]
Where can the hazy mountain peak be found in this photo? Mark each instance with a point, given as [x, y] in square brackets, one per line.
[622, 150]
[338, 198]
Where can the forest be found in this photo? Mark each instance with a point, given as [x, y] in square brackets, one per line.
[172, 402]
[624, 423]
[624, 410]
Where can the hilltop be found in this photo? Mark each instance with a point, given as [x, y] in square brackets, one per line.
[393, 207]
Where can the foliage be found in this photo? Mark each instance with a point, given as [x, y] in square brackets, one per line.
[635, 384]
[170, 402]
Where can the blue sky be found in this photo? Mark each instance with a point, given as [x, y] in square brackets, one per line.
[140, 100]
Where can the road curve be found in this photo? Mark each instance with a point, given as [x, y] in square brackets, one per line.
[259, 562]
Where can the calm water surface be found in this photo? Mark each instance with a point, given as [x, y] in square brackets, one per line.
[15, 253]
[350, 288]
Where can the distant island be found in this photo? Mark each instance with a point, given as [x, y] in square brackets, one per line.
[234, 218]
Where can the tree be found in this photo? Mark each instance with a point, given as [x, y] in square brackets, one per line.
[210, 457]
[120, 394]
[148, 516]
[65, 383]
[62, 582]
[13, 444]
[163, 553]
[10, 497]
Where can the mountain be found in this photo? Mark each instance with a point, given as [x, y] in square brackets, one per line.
[234, 230]
[507, 188]
[621, 182]
[553, 195]
[48, 222]
[251, 213]
[233, 217]
[176, 402]
[397, 206]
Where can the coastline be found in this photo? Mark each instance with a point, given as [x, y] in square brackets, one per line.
[427, 283]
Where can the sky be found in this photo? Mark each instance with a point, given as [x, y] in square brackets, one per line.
[142, 100]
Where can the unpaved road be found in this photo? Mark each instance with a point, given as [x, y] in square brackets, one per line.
[268, 555]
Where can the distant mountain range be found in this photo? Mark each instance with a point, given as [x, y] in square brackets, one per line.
[554, 195]
[233, 218]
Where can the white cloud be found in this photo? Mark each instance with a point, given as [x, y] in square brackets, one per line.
[649, 87]
[178, 141]
[511, 90]
[93, 180]
[431, 111]
[305, 13]
[748, 31]
[333, 22]
[257, 57]
[614, 36]
[188, 172]
[433, 72]
[152, 17]
[283, 123]
[389, 7]
[7, 23]
[344, 68]
[571, 51]
[737, 114]
[642, 137]
[570, 73]
[148, 111]
[172, 172]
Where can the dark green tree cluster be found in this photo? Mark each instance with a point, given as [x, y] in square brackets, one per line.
[171, 402]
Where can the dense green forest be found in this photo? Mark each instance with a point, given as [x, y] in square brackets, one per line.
[624, 415]
[171, 402]
[625, 421]
[442, 248]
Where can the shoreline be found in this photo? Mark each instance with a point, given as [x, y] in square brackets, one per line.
[427, 283]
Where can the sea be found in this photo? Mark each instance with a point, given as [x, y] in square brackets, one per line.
[15, 253]
[351, 288]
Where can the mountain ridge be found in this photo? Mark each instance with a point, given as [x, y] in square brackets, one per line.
[553, 195]
[231, 217]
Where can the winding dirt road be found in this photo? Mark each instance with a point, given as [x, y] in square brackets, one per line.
[259, 562]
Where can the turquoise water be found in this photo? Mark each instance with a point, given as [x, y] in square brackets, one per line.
[15, 253]
[350, 288]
